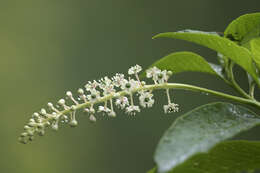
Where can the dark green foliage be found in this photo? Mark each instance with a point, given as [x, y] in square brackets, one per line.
[195, 143]
[199, 130]
[230, 49]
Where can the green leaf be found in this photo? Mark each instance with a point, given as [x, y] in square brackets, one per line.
[244, 28]
[255, 48]
[200, 130]
[226, 157]
[152, 170]
[185, 61]
[238, 54]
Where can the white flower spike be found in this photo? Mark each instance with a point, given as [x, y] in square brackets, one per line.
[103, 94]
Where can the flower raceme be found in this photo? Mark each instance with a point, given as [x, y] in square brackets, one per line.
[105, 93]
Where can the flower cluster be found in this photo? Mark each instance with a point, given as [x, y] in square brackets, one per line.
[103, 94]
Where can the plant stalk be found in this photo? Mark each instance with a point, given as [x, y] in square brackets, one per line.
[169, 86]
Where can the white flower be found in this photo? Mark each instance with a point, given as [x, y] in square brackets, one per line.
[162, 77]
[130, 85]
[146, 99]
[104, 110]
[152, 72]
[135, 69]
[104, 82]
[157, 75]
[171, 107]
[132, 110]
[118, 79]
[93, 96]
[55, 125]
[106, 85]
[90, 86]
[122, 102]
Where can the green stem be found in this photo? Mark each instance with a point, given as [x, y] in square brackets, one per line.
[169, 86]
[216, 93]
[252, 90]
[234, 83]
[166, 86]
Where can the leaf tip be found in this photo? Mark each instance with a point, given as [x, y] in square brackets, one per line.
[158, 35]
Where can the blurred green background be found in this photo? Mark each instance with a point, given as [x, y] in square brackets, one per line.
[50, 46]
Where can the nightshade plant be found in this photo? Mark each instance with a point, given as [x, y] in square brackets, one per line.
[196, 142]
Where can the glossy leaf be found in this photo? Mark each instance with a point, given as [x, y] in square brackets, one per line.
[226, 157]
[238, 54]
[244, 28]
[200, 130]
[255, 48]
[185, 61]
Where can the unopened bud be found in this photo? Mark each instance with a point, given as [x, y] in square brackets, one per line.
[69, 94]
[92, 118]
[73, 123]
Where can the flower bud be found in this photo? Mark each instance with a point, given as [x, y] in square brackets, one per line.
[31, 124]
[73, 123]
[43, 112]
[112, 114]
[91, 110]
[24, 134]
[55, 126]
[69, 94]
[92, 118]
[50, 105]
[80, 91]
[26, 127]
[169, 73]
[35, 115]
[86, 110]
[31, 120]
[61, 102]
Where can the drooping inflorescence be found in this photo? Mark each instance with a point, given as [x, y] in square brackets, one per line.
[100, 97]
